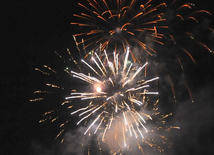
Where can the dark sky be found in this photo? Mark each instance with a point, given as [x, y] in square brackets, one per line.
[30, 31]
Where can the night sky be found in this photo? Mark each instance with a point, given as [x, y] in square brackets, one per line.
[30, 32]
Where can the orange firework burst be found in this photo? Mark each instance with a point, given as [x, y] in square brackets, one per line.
[120, 23]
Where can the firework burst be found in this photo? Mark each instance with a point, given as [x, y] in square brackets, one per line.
[114, 102]
[117, 89]
[120, 23]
